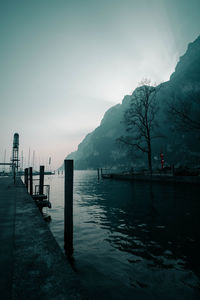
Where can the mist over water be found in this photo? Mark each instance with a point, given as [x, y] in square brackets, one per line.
[132, 239]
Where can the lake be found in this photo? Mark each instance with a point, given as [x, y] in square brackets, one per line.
[132, 240]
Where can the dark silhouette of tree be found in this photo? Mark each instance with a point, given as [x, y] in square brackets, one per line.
[140, 120]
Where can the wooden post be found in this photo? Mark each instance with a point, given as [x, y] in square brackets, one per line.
[68, 212]
[41, 187]
[173, 172]
[31, 181]
[98, 173]
[14, 174]
[26, 177]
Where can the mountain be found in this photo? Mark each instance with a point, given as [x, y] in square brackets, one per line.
[188, 68]
[180, 146]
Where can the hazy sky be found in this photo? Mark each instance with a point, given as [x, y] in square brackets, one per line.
[63, 63]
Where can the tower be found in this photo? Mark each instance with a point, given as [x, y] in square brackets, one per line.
[15, 151]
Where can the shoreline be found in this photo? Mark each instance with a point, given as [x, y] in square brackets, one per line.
[153, 178]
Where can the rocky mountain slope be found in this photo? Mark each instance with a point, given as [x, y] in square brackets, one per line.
[180, 146]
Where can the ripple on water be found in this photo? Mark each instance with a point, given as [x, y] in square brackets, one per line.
[145, 244]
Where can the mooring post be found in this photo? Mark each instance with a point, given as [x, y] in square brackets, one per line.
[14, 174]
[26, 177]
[31, 181]
[41, 187]
[173, 172]
[68, 212]
[98, 173]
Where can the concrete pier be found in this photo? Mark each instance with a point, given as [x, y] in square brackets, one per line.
[7, 225]
[32, 266]
[154, 178]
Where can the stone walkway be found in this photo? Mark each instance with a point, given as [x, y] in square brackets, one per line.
[7, 222]
[32, 266]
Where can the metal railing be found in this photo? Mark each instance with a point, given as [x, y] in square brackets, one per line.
[13, 169]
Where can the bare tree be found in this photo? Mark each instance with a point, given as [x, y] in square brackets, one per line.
[140, 120]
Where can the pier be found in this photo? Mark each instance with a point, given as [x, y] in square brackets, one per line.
[32, 266]
[153, 178]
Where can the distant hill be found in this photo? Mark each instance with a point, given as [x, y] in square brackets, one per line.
[100, 148]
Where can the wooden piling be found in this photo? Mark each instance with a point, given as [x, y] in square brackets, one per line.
[14, 174]
[26, 177]
[98, 173]
[31, 181]
[68, 211]
[41, 184]
[173, 171]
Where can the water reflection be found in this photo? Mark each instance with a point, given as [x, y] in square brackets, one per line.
[153, 226]
[154, 222]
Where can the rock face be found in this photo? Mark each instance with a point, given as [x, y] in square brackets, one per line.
[188, 68]
[101, 149]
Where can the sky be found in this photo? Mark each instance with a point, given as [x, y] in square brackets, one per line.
[63, 63]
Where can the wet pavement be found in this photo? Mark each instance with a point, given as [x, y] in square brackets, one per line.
[7, 219]
[32, 266]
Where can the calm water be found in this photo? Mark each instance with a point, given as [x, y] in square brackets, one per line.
[132, 240]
